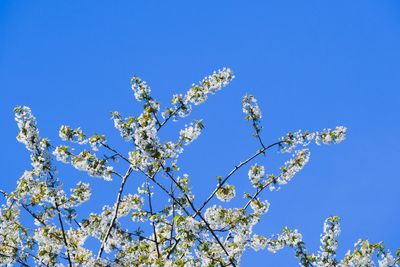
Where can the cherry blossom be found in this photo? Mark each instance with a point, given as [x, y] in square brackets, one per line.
[156, 219]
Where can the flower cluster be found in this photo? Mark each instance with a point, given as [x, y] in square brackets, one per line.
[28, 131]
[126, 127]
[10, 234]
[140, 88]
[328, 136]
[286, 238]
[362, 255]
[329, 243]
[252, 111]
[299, 138]
[256, 173]
[293, 166]
[81, 193]
[187, 229]
[29, 136]
[259, 207]
[62, 153]
[226, 193]
[387, 260]
[191, 132]
[219, 217]
[198, 94]
[66, 133]
[77, 135]
[86, 161]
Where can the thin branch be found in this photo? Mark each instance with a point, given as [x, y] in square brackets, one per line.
[199, 214]
[258, 130]
[52, 184]
[173, 215]
[115, 151]
[63, 233]
[169, 194]
[157, 121]
[153, 223]
[235, 169]
[115, 215]
[259, 190]
[141, 237]
[169, 117]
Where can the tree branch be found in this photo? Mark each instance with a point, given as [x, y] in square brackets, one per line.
[115, 215]
[199, 214]
[153, 224]
[63, 233]
[235, 169]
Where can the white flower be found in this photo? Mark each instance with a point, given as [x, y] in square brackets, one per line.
[329, 243]
[29, 135]
[126, 127]
[256, 172]
[328, 136]
[387, 260]
[226, 193]
[191, 132]
[140, 88]
[251, 108]
[62, 154]
[258, 242]
[198, 94]
[86, 161]
[259, 207]
[293, 166]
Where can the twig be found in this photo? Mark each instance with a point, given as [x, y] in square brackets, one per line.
[63, 233]
[115, 151]
[235, 169]
[169, 117]
[199, 214]
[52, 184]
[114, 218]
[153, 224]
[25, 208]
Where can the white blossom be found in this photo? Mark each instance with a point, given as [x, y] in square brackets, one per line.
[191, 132]
[258, 242]
[160, 224]
[140, 88]
[198, 94]
[251, 108]
[329, 243]
[328, 136]
[62, 154]
[293, 166]
[226, 193]
[29, 136]
[259, 207]
[387, 260]
[256, 173]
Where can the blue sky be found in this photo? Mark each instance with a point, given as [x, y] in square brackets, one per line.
[311, 64]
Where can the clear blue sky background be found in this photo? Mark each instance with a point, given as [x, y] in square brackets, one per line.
[311, 64]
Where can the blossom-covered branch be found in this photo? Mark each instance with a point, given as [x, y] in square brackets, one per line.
[159, 223]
